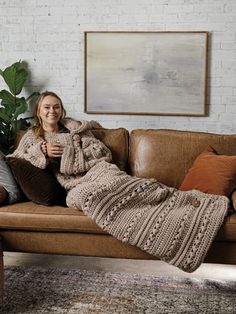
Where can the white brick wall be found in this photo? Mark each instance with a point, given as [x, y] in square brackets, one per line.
[48, 36]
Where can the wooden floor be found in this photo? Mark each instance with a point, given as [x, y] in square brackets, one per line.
[206, 271]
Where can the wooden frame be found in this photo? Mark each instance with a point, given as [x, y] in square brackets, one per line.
[146, 73]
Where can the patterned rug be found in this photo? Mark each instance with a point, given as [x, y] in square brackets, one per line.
[40, 290]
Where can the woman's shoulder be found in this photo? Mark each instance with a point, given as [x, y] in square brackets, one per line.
[28, 135]
[79, 125]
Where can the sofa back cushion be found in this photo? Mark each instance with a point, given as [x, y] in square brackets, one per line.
[168, 154]
[117, 140]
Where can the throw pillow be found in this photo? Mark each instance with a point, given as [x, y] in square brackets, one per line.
[211, 173]
[38, 185]
[8, 182]
[3, 194]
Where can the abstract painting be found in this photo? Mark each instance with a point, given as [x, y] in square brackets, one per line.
[148, 73]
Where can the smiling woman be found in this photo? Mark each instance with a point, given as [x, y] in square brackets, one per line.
[55, 139]
[50, 112]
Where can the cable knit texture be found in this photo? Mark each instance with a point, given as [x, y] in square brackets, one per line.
[177, 227]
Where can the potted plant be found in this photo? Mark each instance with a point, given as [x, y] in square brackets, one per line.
[12, 106]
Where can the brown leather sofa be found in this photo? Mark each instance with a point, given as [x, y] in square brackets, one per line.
[162, 154]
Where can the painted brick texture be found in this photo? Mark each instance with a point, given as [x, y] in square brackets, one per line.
[49, 36]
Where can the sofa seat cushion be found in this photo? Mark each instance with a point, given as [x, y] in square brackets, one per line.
[31, 216]
[227, 231]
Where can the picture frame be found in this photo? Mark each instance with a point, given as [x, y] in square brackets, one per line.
[146, 73]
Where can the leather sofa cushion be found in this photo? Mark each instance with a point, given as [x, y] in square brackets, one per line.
[227, 231]
[35, 217]
[28, 216]
[167, 155]
[117, 140]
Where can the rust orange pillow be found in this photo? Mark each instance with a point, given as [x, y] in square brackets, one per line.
[211, 173]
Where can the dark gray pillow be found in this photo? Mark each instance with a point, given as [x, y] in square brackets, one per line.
[8, 182]
[38, 185]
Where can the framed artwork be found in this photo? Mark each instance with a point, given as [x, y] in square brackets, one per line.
[146, 73]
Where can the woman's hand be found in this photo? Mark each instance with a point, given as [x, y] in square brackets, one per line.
[44, 147]
[54, 150]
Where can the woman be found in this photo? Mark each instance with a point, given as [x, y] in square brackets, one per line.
[158, 219]
[56, 140]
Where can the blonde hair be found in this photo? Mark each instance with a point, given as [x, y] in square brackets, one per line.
[37, 127]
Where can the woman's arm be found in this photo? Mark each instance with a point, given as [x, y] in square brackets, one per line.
[85, 152]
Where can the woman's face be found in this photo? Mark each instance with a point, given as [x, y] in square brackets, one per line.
[50, 111]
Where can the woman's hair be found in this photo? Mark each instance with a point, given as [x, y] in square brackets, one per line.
[38, 128]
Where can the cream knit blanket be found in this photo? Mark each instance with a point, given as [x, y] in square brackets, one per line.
[177, 227]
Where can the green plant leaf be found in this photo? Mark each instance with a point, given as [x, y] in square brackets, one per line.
[22, 107]
[7, 109]
[7, 98]
[15, 77]
[11, 106]
[4, 116]
[35, 94]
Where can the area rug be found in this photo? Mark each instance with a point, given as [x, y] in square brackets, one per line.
[38, 290]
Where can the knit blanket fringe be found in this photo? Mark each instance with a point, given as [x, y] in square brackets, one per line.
[177, 227]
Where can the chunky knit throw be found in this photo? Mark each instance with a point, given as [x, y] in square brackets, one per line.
[177, 227]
